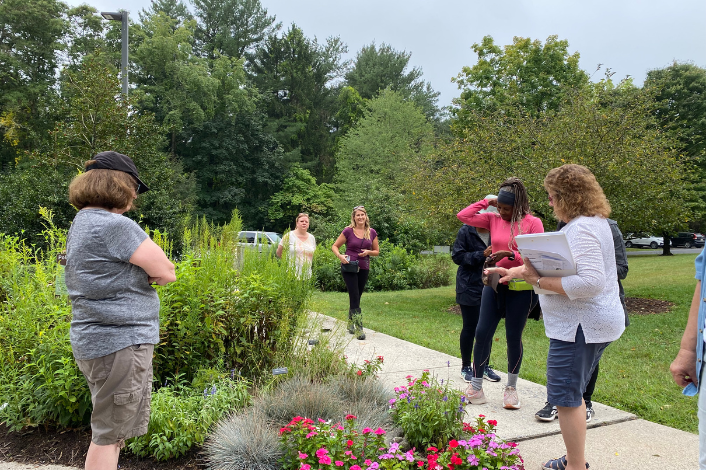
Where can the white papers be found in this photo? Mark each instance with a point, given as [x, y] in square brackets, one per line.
[549, 253]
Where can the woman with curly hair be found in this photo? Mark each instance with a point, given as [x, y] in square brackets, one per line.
[586, 315]
[513, 218]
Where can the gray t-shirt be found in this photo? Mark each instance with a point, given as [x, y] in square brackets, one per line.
[114, 305]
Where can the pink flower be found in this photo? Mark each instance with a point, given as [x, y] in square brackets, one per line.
[360, 372]
[305, 466]
[321, 452]
[356, 467]
[379, 431]
[368, 461]
[302, 455]
[326, 460]
[453, 443]
[351, 417]
[367, 430]
[312, 434]
[338, 463]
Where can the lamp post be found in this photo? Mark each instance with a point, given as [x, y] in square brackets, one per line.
[122, 17]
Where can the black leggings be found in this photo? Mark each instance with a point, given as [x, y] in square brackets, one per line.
[355, 283]
[515, 306]
[470, 314]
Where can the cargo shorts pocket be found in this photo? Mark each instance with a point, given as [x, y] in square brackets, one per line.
[126, 405]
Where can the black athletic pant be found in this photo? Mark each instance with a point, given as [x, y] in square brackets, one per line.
[470, 314]
[355, 283]
[515, 306]
[591, 385]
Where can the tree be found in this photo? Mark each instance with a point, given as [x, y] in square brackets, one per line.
[300, 193]
[31, 35]
[526, 72]
[232, 27]
[174, 84]
[297, 78]
[377, 68]
[97, 121]
[611, 130]
[680, 92]
[372, 162]
[174, 9]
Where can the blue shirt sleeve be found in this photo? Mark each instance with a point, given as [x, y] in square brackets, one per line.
[699, 264]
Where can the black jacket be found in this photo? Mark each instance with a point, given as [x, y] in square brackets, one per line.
[467, 253]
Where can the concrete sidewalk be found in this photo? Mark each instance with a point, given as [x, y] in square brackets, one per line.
[615, 439]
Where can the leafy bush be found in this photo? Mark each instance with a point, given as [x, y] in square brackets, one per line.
[394, 269]
[229, 306]
[429, 414]
[181, 417]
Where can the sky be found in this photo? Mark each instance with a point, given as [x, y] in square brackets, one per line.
[630, 37]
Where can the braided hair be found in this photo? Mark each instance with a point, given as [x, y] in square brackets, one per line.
[521, 207]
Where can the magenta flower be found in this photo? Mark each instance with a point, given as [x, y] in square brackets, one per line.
[312, 434]
[379, 431]
[302, 455]
[321, 452]
[356, 467]
[367, 430]
[473, 460]
[326, 460]
[338, 463]
[305, 466]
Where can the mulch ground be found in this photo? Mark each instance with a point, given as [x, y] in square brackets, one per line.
[636, 306]
[69, 447]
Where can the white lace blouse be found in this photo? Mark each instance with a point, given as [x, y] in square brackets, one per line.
[592, 299]
[301, 253]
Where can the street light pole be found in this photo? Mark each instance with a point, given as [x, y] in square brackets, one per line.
[123, 18]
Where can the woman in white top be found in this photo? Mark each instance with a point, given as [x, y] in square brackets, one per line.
[585, 314]
[301, 245]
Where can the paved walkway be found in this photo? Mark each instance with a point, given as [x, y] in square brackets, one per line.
[615, 439]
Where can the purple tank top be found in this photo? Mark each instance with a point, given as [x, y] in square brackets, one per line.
[355, 245]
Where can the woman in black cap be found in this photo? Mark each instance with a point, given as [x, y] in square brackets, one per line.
[111, 264]
[513, 218]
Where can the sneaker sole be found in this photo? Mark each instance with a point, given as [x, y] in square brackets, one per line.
[547, 420]
[588, 420]
[485, 377]
[508, 406]
[477, 401]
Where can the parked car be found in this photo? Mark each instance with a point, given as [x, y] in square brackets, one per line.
[641, 240]
[254, 238]
[688, 239]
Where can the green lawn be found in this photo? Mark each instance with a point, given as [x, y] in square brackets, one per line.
[634, 371]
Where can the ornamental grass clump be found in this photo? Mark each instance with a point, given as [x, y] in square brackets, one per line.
[429, 413]
[244, 442]
[299, 396]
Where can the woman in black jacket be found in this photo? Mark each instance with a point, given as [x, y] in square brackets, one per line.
[469, 253]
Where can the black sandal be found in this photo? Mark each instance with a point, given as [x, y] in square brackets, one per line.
[557, 464]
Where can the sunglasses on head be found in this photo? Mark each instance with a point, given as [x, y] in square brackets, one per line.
[358, 207]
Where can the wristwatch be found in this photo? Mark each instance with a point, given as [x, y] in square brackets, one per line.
[538, 279]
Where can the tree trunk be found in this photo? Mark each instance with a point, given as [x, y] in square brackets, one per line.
[667, 248]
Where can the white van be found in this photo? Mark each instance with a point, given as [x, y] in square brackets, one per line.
[254, 238]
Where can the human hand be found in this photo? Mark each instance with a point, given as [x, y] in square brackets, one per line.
[683, 368]
[530, 275]
[343, 259]
[498, 255]
[364, 253]
[512, 273]
[493, 202]
[496, 270]
[488, 251]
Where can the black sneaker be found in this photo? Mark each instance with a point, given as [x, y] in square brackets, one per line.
[548, 413]
[467, 373]
[489, 374]
[589, 411]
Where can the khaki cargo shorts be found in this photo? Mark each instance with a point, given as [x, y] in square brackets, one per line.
[121, 386]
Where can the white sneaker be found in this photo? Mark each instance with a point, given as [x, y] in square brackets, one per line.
[511, 400]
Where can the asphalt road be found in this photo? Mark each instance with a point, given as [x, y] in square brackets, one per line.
[676, 251]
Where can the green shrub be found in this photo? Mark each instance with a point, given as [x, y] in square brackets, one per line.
[428, 413]
[229, 306]
[394, 269]
[181, 417]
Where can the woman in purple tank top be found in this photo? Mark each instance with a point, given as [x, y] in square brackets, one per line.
[361, 243]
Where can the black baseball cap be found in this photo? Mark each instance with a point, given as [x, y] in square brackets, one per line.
[117, 161]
